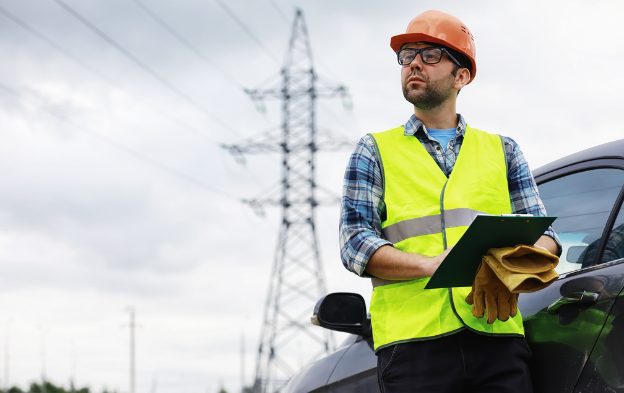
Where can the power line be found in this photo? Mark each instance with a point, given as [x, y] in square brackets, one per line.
[86, 66]
[184, 41]
[246, 30]
[143, 66]
[101, 75]
[279, 11]
[338, 119]
[126, 150]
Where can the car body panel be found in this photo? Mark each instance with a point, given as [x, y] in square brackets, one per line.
[604, 370]
[613, 149]
[314, 376]
[357, 371]
[562, 342]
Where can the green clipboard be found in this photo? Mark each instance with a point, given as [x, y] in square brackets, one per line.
[459, 268]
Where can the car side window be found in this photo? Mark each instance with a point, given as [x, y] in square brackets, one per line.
[582, 203]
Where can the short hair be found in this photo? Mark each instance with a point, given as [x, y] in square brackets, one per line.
[461, 58]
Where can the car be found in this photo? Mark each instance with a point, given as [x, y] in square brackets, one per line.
[574, 327]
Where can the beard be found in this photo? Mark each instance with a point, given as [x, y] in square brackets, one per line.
[431, 95]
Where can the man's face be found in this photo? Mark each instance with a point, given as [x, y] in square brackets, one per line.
[427, 86]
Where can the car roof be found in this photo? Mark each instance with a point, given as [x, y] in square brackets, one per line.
[613, 149]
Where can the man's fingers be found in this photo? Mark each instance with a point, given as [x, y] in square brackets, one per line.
[445, 253]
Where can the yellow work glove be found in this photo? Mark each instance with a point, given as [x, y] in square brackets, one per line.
[523, 268]
[489, 294]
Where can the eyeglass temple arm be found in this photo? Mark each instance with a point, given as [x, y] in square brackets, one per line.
[452, 58]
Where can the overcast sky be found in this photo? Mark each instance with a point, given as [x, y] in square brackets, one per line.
[115, 191]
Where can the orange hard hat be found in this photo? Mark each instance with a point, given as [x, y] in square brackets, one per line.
[439, 28]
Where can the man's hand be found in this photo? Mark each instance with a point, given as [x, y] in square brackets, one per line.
[539, 247]
[438, 260]
[393, 264]
[544, 243]
[547, 243]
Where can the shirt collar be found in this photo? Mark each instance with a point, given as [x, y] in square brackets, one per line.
[414, 125]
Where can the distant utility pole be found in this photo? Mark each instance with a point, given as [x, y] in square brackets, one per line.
[132, 360]
[297, 279]
[72, 378]
[6, 357]
[43, 359]
[242, 371]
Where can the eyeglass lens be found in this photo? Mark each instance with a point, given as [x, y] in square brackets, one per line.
[428, 55]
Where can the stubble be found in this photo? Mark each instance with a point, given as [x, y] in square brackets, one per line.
[431, 95]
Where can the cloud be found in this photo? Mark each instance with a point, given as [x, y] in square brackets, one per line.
[98, 213]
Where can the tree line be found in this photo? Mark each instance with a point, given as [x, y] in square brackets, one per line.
[49, 387]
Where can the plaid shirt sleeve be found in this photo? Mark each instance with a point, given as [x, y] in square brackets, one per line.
[523, 192]
[361, 207]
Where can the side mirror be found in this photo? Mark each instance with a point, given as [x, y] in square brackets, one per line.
[343, 312]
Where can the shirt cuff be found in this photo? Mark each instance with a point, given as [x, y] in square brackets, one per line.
[551, 233]
[357, 260]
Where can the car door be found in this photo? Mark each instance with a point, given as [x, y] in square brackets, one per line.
[604, 370]
[564, 321]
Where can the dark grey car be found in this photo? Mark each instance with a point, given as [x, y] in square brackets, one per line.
[575, 327]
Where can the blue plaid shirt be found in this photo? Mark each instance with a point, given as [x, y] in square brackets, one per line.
[362, 205]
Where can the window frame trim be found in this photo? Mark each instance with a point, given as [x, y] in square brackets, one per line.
[617, 206]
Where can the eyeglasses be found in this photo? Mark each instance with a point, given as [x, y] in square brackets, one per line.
[428, 55]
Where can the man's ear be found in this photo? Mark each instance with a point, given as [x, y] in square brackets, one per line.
[462, 78]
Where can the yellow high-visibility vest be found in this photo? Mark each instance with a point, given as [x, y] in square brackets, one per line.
[427, 213]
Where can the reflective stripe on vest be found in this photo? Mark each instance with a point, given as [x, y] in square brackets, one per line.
[426, 212]
[429, 224]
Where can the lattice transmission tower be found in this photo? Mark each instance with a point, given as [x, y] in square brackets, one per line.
[288, 339]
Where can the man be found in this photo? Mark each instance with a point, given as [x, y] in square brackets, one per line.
[408, 196]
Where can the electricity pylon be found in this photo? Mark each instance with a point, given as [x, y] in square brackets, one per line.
[288, 339]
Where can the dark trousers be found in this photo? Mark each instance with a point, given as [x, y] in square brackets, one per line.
[460, 363]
